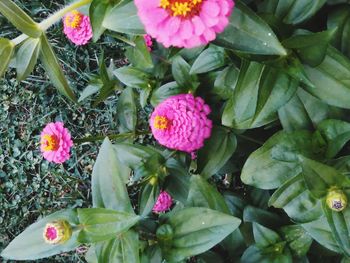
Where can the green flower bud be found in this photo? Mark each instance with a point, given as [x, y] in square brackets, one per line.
[57, 232]
[165, 233]
[336, 200]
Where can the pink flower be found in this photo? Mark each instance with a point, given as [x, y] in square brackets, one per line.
[148, 41]
[184, 23]
[77, 28]
[56, 142]
[163, 202]
[181, 123]
[57, 232]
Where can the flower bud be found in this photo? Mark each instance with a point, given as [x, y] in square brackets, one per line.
[57, 232]
[336, 200]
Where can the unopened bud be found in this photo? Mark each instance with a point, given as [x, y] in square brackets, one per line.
[57, 232]
[336, 200]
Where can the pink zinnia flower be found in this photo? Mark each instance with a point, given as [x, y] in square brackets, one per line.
[56, 142]
[77, 28]
[148, 42]
[181, 123]
[57, 232]
[184, 23]
[163, 202]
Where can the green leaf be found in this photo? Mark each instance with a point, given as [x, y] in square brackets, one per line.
[262, 171]
[261, 216]
[166, 91]
[264, 237]
[339, 224]
[225, 82]
[97, 12]
[181, 73]
[99, 224]
[321, 232]
[202, 194]
[254, 254]
[90, 255]
[94, 86]
[259, 93]
[196, 230]
[26, 57]
[124, 248]
[30, 244]
[54, 70]
[20, 19]
[210, 59]
[319, 178]
[108, 183]
[333, 72]
[124, 19]
[311, 47]
[216, 151]
[148, 197]
[336, 133]
[132, 77]
[6, 52]
[297, 201]
[139, 55]
[127, 111]
[248, 33]
[292, 11]
[298, 240]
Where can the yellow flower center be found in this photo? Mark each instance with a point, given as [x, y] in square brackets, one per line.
[50, 142]
[182, 8]
[161, 122]
[73, 19]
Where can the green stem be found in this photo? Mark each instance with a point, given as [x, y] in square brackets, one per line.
[110, 136]
[53, 19]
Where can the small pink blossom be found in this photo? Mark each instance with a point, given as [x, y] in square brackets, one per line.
[181, 123]
[77, 28]
[163, 202]
[148, 42]
[56, 142]
[185, 23]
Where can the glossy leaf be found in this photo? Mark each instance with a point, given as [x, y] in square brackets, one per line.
[6, 52]
[26, 57]
[101, 224]
[248, 33]
[148, 197]
[181, 73]
[97, 12]
[298, 240]
[225, 82]
[210, 59]
[261, 216]
[54, 70]
[108, 185]
[127, 111]
[264, 237]
[139, 55]
[165, 91]
[132, 77]
[30, 244]
[124, 19]
[254, 254]
[216, 151]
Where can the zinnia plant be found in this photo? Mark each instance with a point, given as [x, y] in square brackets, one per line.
[230, 136]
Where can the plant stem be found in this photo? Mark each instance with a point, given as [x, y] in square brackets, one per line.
[53, 19]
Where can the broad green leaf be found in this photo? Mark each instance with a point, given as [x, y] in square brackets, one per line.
[333, 72]
[248, 33]
[261, 216]
[139, 55]
[298, 240]
[297, 201]
[339, 19]
[226, 82]
[181, 73]
[165, 91]
[310, 47]
[235, 204]
[216, 151]
[254, 254]
[124, 19]
[292, 11]
[210, 59]
[148, 197]
[91, 89]
[264, 237]
[124, 248]
[259, 93]
[196, 230]
[90, 255]
[6, 52]
[26, 57]
[54, 70]
[152, 254]
[108, 183]
[99, 224]
[127, 111]
[20, 19]
[30, 244]
[132, 77]
[321, 232]
[202, 194]
[262, 171]
[319, 178]
[97, 12]
[339, 224]
[336, 133]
